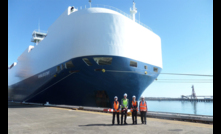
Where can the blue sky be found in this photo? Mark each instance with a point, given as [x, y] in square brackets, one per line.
[185, 28]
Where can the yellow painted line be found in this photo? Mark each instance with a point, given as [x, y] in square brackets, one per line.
[94, 112]
[82, 111]
[152, 119]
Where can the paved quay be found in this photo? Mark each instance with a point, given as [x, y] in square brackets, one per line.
[33, 119]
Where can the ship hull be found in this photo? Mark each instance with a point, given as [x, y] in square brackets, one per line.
[85, 85]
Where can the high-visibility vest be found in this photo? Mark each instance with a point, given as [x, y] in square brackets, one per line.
[116, 106]
[125, 103]
[133, 104]
[143, 107]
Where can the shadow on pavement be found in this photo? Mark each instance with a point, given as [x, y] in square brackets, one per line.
[18, 105]
[106, 125]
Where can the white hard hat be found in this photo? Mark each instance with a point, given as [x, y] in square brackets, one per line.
[125, 94]
[142, 96]
[115, 97]
[134, 96]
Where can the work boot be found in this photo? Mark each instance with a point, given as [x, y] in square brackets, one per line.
[135, 122]
[125, 123]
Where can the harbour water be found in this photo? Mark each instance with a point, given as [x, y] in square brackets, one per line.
[186, 107]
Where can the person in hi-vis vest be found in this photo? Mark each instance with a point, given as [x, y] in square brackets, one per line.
[134, 109]
[124, 107]
[116, 109]
[143, 110]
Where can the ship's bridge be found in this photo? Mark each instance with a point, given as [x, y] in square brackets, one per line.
[38, 36]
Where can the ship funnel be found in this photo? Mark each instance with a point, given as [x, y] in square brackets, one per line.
[133, 11]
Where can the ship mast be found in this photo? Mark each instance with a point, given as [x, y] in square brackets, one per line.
[133, 11]
[90, 3]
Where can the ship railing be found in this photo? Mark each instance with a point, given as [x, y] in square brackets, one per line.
[113, 8]
[121, 12]
[143, 24]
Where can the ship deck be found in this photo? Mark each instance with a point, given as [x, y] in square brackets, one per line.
[40, 119]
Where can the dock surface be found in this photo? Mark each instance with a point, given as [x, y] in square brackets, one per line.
[33, 119]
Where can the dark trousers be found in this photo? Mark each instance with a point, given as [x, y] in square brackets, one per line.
[134, 116]
[118, 121]
[125, 117]
[143, 116]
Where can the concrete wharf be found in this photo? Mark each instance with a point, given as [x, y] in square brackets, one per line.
[41, 119]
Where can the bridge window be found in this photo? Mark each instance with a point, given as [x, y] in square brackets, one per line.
[145, 67]
[133, 63]
[103, 60]
[87, 61]
[58, 68]
[155, 69]
[40, 35]
[62, 66]
[69, 64]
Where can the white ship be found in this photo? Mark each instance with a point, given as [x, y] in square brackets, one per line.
[86, 57]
